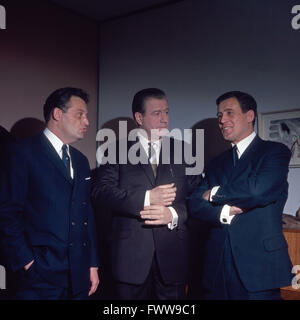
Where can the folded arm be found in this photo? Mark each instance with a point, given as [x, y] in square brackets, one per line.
[257, 187]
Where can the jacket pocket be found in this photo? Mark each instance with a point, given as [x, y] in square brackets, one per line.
[275, 243]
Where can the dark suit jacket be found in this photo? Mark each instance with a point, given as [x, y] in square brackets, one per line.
[258, 184]
[46, 216]
[122, 188]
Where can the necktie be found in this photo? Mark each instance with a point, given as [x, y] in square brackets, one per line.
[66, 158]
[152, 158]
[235, 155]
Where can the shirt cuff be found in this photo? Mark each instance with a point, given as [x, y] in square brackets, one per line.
[213, 191]
[147, 198]
[225, 218]
[173, 224]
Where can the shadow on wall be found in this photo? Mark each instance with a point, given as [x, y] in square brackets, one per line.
[214, 145]
[120, 126]
[26, 128]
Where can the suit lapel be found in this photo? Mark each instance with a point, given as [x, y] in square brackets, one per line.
[145, 167]
[75, 166]
[48, 150]
[227, 167]
[252, 151]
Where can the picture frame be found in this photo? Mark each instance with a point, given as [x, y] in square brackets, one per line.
[282, 126]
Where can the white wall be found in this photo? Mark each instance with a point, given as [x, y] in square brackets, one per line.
[196, 50]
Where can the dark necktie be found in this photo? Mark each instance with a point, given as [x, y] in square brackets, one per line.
[66, 158]
[235, 155]
[152, 158]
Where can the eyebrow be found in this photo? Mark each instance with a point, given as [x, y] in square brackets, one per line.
[225, 110]
[166, 109]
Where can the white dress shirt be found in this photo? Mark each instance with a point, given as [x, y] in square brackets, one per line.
[57, 145]
[225, 216]
[156, 146]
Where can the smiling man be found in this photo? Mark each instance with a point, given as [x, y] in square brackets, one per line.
[148, 240]
[46, 216]
[242, 198]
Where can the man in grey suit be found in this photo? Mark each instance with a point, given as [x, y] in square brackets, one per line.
[149, 238]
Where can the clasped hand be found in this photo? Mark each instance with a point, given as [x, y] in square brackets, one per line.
[160, 197]
[163, 195]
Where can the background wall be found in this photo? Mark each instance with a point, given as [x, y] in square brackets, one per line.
[44, 48]
[195, 51]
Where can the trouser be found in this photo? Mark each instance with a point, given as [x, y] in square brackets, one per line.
[153, 288]
[228, 285]
[31, 286]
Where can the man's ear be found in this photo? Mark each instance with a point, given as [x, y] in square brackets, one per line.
[57, 114]
[138, 118]
[250, 115]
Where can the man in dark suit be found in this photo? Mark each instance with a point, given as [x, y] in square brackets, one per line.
[46, 216]
[242, 198]
[149, 240]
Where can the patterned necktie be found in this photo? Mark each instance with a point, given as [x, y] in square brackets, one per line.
[66, 158]
[235, 155]
[152, 158]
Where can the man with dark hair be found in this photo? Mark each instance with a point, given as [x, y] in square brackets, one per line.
[242, 198]
[46, 216]
[149, 240]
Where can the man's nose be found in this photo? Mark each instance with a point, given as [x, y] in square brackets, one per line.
[222, 118]
[164, 117]
[86, 121]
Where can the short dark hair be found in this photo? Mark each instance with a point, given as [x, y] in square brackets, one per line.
[246, 101]
[138, 103]
[60, 97]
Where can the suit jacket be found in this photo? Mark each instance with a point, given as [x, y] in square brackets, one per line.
[47, 216]
[122, 188]
[258, 184]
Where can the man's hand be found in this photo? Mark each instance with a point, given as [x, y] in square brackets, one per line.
[156, 215]
[206, 195]
[28, 265]
[94, 278]
[163, 195]
[235, 210]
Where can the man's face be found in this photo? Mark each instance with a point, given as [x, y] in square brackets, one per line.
[74, 122]
[156, 116]
[234, 124]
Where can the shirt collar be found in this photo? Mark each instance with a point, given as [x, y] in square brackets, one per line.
[145, 142]
[243, 144]
[54, 140]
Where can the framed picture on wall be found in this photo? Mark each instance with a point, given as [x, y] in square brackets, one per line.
[284, 127]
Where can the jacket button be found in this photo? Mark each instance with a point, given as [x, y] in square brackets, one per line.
[73, 223]
[85, 223]
[71, 244]
[84, 203]
[84, 244]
